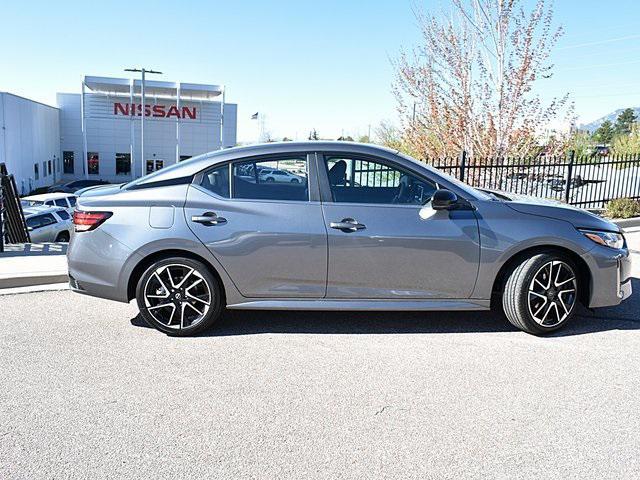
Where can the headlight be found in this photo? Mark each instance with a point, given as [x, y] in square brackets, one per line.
[608, 239]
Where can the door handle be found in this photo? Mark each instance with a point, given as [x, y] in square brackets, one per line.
[209, 218]
[347, 225]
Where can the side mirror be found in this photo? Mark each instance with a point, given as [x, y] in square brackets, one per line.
[443, 199]
[29, 229]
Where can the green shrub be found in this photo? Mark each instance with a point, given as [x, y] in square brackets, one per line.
[623, 208]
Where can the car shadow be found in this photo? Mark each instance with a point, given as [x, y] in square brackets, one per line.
[247, 322]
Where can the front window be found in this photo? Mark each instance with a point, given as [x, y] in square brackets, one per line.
[258, 179]
[93, 163]
[365, 180]
[123, 164]
[61, 202]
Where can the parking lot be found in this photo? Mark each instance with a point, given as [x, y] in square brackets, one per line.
[87, 391]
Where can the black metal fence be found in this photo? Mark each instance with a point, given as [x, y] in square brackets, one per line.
[13, 228]
[588, 182]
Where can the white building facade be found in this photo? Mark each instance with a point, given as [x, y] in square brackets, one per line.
[97, 134]
[101, 128]
[30, 142]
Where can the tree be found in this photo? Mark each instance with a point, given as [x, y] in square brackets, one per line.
[364, 139]
[625, 121]
[627, 144]
[347, 138]
[470, 82]
[313, 135]
[604, 133]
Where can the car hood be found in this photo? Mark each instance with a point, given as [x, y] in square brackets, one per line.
[543, 207]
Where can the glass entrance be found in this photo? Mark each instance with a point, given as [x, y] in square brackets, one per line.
[154, 165]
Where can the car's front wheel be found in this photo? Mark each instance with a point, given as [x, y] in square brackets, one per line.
[179, 296]
[541, 293]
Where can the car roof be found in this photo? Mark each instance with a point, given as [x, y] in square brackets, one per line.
[40, 210]
[43, 197]
[194, 165]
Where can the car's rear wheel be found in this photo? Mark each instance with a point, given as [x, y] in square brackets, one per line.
[541, 293]
[63, 237]
[179, 296]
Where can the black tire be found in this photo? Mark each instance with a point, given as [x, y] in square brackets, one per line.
[162, 319]
[63, 237]
[270, 180]
[295, 180]
[517, 295]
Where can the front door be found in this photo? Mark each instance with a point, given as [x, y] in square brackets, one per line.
[154, 165]
[269, 236]
[385, 243]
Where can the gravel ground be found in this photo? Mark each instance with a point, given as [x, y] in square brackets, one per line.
[87, 391]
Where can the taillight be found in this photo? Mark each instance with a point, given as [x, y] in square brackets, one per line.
[87, 221]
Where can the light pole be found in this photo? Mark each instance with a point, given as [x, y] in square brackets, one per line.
[143, 109]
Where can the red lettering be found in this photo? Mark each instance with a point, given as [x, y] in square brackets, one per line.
[123, 109]
[173, 110]
[189, 112]
[158, 111]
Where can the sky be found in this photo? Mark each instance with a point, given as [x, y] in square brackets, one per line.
[303, 65]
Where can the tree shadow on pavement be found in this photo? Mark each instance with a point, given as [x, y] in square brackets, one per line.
[246, 322]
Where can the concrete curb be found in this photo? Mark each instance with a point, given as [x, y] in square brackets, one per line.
[33, 280]
[627, 222]
[50, 287]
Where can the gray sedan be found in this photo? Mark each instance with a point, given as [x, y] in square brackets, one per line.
[365, 228]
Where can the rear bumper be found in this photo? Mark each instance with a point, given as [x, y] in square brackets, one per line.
[610, 276]
[97, 265]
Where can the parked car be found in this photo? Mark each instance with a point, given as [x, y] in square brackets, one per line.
[279, 176]
[64, 200]
[73, 187]
[372, 229]
[48, 224]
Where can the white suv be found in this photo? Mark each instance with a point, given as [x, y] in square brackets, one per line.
[64, 200]
[48, 224]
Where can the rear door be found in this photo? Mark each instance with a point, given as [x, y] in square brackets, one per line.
[384, 242]
[269, 236]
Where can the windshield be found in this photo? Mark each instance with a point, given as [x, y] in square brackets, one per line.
[31, 203]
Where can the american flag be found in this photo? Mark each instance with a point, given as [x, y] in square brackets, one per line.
[254, 116]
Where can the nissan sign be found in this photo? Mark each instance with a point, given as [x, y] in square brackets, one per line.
[156, 111]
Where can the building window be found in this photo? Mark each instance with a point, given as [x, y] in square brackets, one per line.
[36, 172]
[49, 167]
[68, 161]
[184, 157]
[93, 163]
[44, 169]
[123, 164]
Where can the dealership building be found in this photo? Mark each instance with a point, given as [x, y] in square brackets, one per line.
[96, 134]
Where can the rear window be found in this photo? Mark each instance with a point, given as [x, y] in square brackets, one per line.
[61, 202]
[63, 215]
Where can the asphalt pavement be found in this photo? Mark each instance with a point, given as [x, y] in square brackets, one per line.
[88, 391]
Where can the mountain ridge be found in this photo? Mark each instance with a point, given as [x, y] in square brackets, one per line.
[593, 126]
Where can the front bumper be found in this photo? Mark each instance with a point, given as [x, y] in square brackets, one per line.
[610, 276]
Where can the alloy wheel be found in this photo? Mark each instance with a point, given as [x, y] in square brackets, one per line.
[552, 293]
[177, 296]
